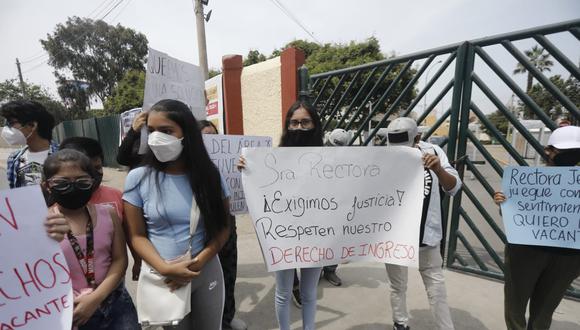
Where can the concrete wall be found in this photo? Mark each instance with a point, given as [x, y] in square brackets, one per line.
[262, 99]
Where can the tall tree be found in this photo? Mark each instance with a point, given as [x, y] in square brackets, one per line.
[10, 91]
[83, 49]
[540, 61]
[75, 97]
[128, 93]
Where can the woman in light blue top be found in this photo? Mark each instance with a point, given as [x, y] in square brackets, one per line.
[157, 202]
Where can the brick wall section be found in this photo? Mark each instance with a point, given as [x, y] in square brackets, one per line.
[232, 94]
[291, 59]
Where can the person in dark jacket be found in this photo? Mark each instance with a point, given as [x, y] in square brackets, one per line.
[129, 149]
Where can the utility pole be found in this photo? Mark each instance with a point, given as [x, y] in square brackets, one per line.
[21, 79]
[201, 45]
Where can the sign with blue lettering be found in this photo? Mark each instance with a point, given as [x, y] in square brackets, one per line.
[542, 206]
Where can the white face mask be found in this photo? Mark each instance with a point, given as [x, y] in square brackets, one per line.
[165, 147]
[13, 136]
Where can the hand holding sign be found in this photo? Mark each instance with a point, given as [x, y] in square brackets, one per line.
[56, 225]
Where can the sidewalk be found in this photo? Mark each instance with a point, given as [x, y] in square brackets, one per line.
[362, 302]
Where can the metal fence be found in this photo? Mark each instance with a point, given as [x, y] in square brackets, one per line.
[104, 129]
[363, 99]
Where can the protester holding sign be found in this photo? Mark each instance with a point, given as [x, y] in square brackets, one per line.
[302, 128]
[541, 275]
[228, 258]
[27, 123]
[438, 174]
[95, 245]
[158, 201]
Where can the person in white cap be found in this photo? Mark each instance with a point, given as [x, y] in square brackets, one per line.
[440, 177]
[540, 275]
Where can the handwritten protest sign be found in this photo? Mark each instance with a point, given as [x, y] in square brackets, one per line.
[543, 206]
[35, 285]
[126, 121]
[224, 151]
[321, 206]
[170, 78]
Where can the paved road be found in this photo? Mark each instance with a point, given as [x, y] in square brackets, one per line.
[362, 303]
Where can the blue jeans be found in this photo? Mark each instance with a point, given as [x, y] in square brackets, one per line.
[308, 283]
[117, 312]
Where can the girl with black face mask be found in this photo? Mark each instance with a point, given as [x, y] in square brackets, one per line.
[94, 248]
[302, 128]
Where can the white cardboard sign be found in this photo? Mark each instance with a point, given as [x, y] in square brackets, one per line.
[35, 284]
[170, 78]
[224, 151]
[314, 206]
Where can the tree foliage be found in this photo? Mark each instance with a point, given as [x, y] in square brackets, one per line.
[10, 91]
[75, 97]
[128, 93]
[498, 120]
[94, 52]
[539, 60]
[213, 72]
[330, 57]
[254, 57]
[546, 101]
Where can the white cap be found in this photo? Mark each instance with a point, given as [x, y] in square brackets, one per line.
[567, 137]
[339, 137]
[402, 132]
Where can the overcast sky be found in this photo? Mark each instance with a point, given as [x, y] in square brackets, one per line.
[235, 27]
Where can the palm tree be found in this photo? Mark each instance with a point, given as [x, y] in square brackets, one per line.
[540, 61]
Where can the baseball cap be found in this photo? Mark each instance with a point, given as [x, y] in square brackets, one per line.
[402, 132]
[567, 137]
[339, 137]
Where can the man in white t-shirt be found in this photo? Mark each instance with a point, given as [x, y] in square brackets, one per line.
[439, 177]
[27, 123]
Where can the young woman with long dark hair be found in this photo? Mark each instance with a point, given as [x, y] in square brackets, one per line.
[157, 202]
[302, 128]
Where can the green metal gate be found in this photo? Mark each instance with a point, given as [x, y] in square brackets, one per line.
[365, 98]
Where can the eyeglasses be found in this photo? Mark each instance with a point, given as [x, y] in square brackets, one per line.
[305, 123]
[62, 184]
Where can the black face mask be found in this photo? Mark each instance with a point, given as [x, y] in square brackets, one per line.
[301, 138]
[72, 199]
[567, 158]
